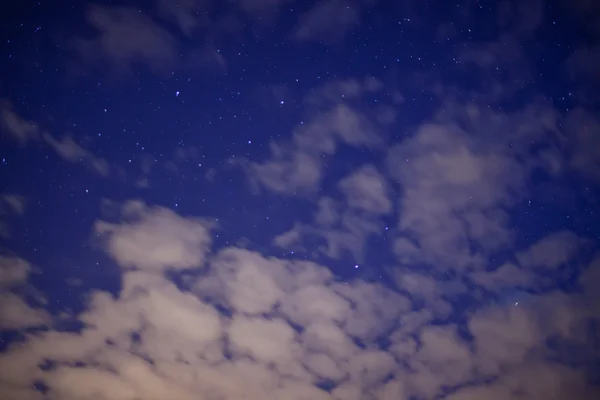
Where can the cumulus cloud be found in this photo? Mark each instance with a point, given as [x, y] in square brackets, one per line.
[251, 326]
[458, 178]
[15, 311]
[337, 232]
[152, 238]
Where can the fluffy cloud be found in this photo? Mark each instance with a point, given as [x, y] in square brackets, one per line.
[250, 326]
[15, 310]
[457, 183]
[335, 232]
[154, 238]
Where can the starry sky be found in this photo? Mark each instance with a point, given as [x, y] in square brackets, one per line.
[300, 200]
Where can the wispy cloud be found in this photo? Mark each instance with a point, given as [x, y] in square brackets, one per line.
[15, 126]
[329, 21]
[72, 152]
[25, 132]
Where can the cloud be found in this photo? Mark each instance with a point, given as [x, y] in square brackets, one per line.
[583, 145]
[501, 68]
[328, 21]
[552, 250]
[336, 233]
[27, 131]
[15, 311]
[189, 15]
[457, 182]
[152, 238]
[10, 204]
[125, 36]
[13, 271]
[296, 166]
[12, 124]
[366, 190]
[504, 277]
[72, 152]
[251, 326]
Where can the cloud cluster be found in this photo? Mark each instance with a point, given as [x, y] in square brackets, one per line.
[126, 38]
[458, 179]
[296, 166]
[193, 322]
[247, 326]
[344, 226]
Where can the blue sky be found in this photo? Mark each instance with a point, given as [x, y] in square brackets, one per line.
[340, 199]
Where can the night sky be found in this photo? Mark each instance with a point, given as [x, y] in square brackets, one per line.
[300, 200]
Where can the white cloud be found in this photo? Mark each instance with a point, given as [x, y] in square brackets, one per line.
[349, 235]
[288, 327]
[460, 174]
[13, 271]
[15, 312]
[154, 238]
[367, 190]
